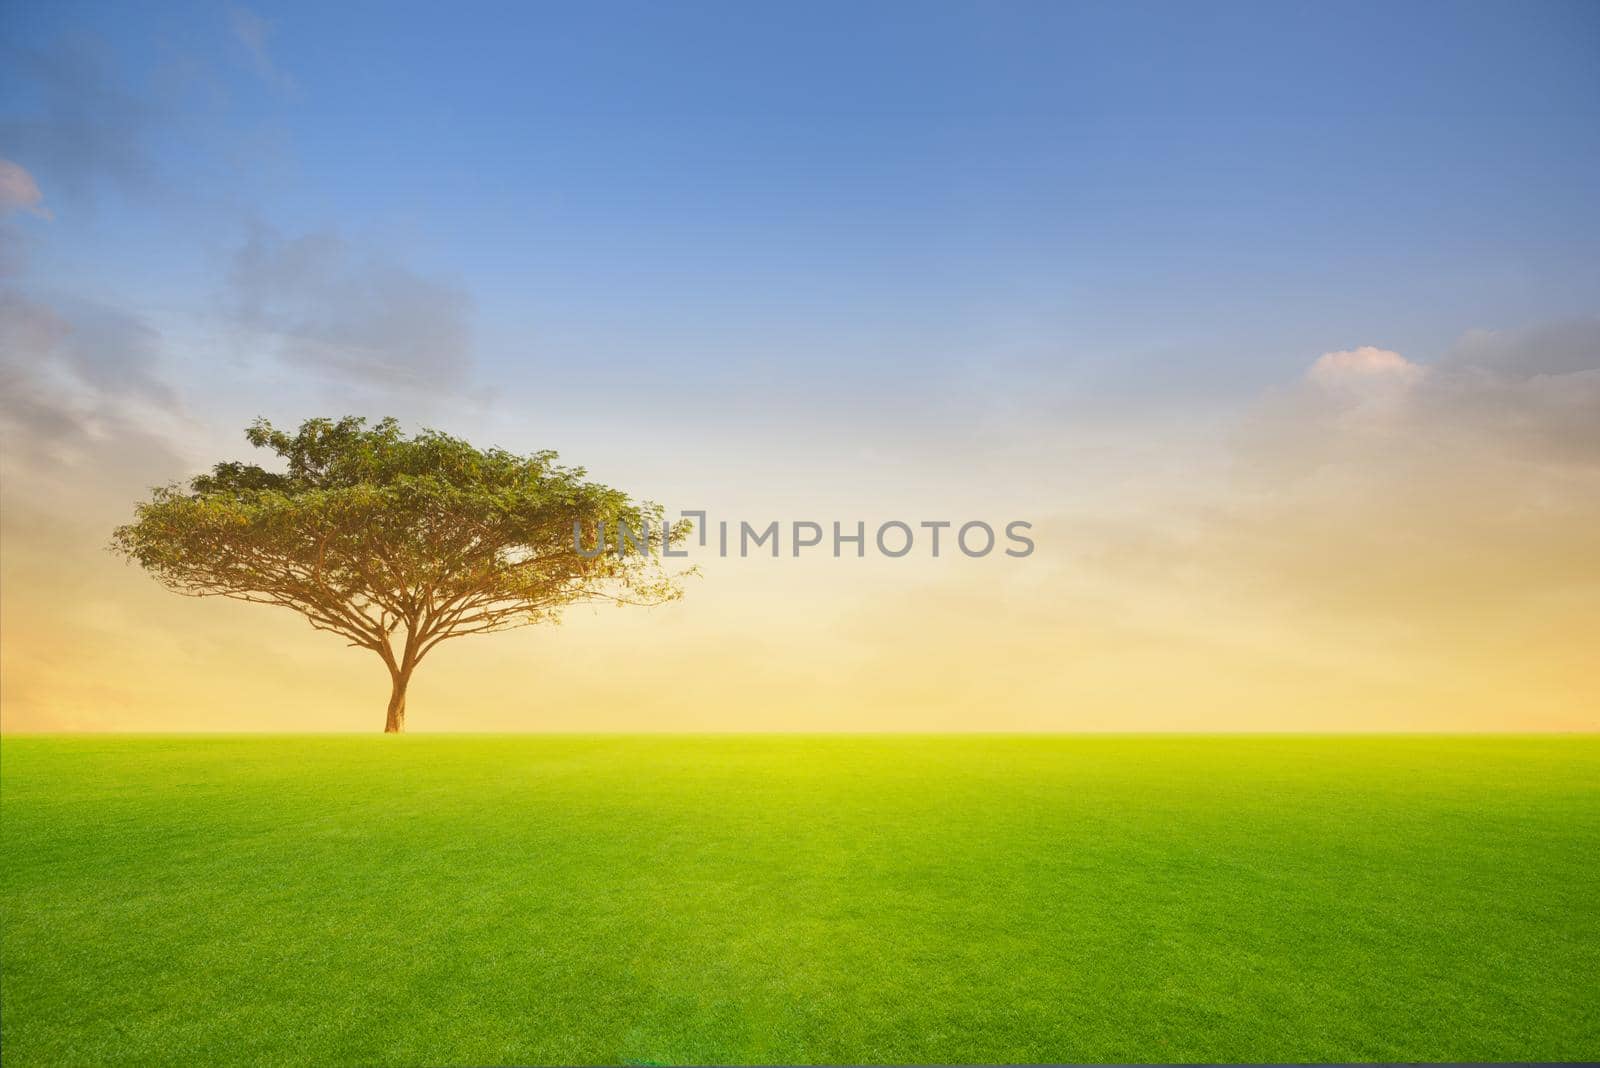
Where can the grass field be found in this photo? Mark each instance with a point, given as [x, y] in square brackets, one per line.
[658, 900]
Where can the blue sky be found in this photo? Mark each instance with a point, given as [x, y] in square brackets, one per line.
[755, 200]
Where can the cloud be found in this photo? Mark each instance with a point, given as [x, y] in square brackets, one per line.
[1361, 368]
[1498, 400]
[254, 33]
[1425, 528]
[100, 347]
[1531, 396]
[86, 426]
[1495, 399]
[83, 133]
[1552, 349]
[359, 315]
[1480, 486]
[90, 122]
[73, 370]
[19, 192]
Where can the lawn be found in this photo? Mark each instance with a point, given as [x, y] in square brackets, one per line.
[669, 899]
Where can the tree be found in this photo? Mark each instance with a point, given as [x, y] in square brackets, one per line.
[397, 543]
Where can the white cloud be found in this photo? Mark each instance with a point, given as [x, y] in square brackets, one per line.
[1496, 398]
[1363, 368]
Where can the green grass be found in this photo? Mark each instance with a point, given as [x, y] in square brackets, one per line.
[658, 900]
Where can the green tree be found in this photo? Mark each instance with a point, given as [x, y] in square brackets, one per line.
[399, 543]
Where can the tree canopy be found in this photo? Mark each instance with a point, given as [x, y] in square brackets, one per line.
[398, 543]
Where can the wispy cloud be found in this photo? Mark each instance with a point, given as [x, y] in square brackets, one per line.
[1497, 397]
[254, 33]
[73, 370]
[19, 192]
[83, 131]
[355, 313]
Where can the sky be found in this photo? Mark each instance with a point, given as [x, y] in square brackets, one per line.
[1278, 323]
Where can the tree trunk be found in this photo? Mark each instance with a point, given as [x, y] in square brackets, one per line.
[396, 722]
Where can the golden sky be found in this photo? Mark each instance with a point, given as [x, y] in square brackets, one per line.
[1378, 544]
